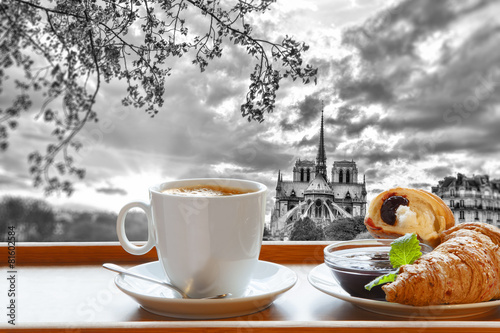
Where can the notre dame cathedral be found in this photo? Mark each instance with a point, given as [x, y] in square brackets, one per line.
[312, 194]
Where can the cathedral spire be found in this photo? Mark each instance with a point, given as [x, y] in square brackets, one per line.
[363, 191]
[278, 183]
[321, 157]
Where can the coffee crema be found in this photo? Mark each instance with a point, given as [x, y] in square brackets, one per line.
[207, 191]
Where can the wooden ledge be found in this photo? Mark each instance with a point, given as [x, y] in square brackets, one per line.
[97, 253]
[268, 326]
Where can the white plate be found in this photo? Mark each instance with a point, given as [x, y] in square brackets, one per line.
[268, 282]
[322, 279]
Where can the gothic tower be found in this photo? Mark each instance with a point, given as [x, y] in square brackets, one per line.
[321, 157]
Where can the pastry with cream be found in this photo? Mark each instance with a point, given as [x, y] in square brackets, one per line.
[398, 211]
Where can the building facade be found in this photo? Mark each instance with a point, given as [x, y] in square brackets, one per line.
[317, 195]
[471, 199]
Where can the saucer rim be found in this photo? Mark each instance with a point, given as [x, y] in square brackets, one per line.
[268, 294]
[384, 307]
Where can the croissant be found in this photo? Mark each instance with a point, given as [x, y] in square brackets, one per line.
[398, 211]
[464, 268]
[487, 229]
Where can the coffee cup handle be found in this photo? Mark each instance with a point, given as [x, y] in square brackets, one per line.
[120, 229]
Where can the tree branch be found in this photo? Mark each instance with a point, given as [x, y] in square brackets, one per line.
[87, 42]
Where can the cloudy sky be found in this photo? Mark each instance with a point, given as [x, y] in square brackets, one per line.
[411, 93]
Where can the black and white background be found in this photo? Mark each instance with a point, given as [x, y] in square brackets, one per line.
[410, 88]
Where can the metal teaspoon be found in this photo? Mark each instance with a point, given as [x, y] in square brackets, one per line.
[119, 269]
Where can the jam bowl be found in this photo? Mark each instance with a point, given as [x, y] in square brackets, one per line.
[356, 263]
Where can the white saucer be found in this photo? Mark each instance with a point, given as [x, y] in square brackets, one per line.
[268, 282]
[322, 279]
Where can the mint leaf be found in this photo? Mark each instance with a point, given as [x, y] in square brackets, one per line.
[386, 278]
[404, 250]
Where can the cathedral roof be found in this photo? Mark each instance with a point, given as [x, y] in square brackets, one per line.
[344, 163]
[307, 163]
[297, 187]
[319, 184]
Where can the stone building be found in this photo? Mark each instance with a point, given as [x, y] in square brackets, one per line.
[471, 199]
[314, 194]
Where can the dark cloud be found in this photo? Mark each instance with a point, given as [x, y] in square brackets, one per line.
[371, 173]
[111, 191]
[224, 77]
[370, 152]
[386, 45]
[380, 171]
[307, 147]
[260, 155]
[240, 157]
[416, 148]
[473, 166]
[307, 111]
[409, 120]
[422, 186]
[365, 89]
[218, 93]
[394, 32]
[350, 120]
[472, 143]
[308, 142]
[439, 171]
[388, 62]
[451, 108]
[286, 125]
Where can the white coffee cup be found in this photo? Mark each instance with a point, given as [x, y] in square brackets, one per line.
[207, 245]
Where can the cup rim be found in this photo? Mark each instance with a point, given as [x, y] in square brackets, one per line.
[158, 188]
[368, 242]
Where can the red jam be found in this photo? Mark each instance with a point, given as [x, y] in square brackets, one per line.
[354, 268]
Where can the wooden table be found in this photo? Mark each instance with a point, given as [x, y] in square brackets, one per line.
[61, 287]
